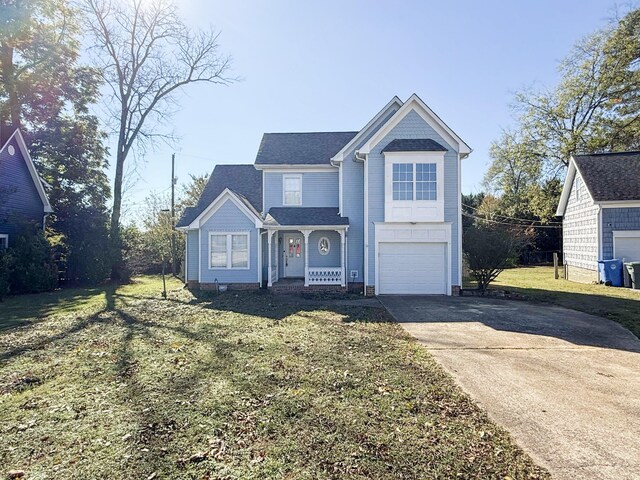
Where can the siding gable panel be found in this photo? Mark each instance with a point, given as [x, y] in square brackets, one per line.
[19, 198]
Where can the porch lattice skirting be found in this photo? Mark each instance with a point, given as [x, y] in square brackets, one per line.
[324, 276]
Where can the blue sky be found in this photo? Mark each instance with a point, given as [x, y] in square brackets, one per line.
[332, 65]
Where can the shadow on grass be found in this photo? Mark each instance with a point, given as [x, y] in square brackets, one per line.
[21, 310]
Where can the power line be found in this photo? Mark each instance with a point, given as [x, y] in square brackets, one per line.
[509, 224]
[513, 218]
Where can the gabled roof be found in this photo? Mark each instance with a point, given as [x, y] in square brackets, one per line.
[327, 216]
[609, 177]
[414, 145]
[7, 134]
[394, 103]
[243, 180]
[314, 148]
[415, 103]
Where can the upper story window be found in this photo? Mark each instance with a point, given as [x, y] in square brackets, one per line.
[292, 190]
[424, 180]
[403, 181]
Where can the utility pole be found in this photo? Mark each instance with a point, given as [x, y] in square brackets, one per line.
[173, 214]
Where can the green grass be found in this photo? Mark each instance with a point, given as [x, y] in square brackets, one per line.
[121, 384]
[537, 283]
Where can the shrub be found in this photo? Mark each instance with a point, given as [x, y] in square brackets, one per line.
[490, 249]
[5, 259]
[31, 266]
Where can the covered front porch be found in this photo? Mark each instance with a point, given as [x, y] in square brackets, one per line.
[305, 257]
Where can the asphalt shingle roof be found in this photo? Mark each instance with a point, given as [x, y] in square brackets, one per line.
[315, 148]
[414, 145]
[243, 180]
[611, 176]
[304, 216]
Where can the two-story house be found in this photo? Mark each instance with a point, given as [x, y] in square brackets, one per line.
[375, 210]
[22, 195]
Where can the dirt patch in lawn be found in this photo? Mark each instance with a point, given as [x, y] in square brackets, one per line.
[236, 386]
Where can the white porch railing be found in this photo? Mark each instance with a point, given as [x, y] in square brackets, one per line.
[324, 275]
[274, 274]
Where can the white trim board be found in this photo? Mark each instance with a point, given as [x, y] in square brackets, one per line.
[297, 168]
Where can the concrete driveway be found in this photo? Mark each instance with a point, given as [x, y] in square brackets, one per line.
[564, 383]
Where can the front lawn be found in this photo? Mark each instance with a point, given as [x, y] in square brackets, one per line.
[537, 283]
[120, 384]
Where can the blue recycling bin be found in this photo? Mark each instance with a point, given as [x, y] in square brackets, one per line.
[611, 272]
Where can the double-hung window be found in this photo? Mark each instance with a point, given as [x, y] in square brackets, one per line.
[228, 250]
[415, 181]
[403, 181]
[292, 190]
[426, 183]
[4, 241]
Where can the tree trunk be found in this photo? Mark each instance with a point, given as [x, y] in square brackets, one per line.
[117, 270]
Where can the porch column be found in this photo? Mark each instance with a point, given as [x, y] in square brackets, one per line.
[277, 265]
[269, 235]
[306, 234]
[342, 265]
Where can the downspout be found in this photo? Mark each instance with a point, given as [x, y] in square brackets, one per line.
[365, 267]
[44, 221]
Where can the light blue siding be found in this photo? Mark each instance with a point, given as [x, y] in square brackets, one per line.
[19, 199]
[353, 201]
[229, 218]
[617, 219]
[319, 189]
[192, 255]
[413, 126]
[332, 259]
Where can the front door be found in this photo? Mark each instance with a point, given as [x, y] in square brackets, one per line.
[293, 255]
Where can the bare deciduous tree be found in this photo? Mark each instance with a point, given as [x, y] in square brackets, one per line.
[147, 54]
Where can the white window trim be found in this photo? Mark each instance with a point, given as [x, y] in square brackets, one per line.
[5, 236]
[284, 183]
[328, 246]
[229, 253]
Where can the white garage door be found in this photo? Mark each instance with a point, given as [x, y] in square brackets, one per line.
[627, 247]
[412, 268]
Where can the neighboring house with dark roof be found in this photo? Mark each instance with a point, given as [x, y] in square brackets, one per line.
[22, 195]
[375, 210]
[600, 210]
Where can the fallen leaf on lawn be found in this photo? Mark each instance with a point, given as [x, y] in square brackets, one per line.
[16, 474]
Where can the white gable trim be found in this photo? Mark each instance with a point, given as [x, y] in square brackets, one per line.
[226, 195]
[37, 181]
[572, 171]
[417, 105]
[339, 157]
[566, 188]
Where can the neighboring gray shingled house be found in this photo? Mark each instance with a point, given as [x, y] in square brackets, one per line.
[600, 210]
[375, 210]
